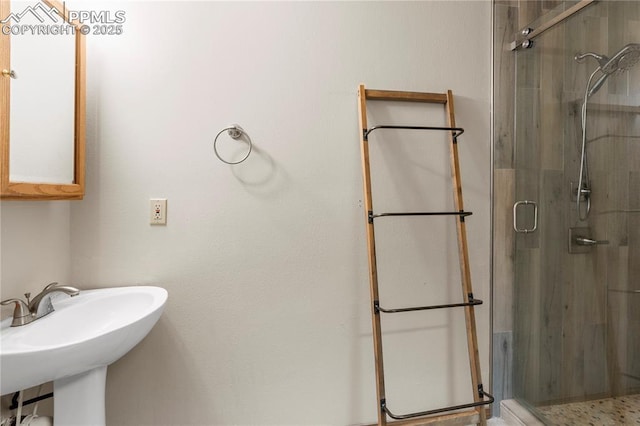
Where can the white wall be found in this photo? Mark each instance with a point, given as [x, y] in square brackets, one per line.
[35, 249]
[265, 262]
[35, 246]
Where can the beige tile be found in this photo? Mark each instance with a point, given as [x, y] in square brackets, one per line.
[526, 331]
[504, 74]
[503, 240]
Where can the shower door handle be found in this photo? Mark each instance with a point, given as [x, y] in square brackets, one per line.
[515, 216]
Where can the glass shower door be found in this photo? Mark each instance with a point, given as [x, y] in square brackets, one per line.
[577, 308]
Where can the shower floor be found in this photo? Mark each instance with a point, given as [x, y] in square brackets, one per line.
[622, 410]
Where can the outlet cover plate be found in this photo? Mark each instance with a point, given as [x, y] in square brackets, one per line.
[158, 211]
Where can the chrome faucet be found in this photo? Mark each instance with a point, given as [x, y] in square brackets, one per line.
[41, 305]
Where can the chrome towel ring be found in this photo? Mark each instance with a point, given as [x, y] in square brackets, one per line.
[235, 132]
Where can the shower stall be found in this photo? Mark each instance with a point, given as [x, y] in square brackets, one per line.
[566, 200]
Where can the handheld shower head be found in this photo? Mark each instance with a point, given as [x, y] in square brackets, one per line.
[597, 85]
[624, 59]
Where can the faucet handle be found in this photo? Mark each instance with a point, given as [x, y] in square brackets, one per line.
[21, 313]
[583, 241]
[28, 295]
[8, 301]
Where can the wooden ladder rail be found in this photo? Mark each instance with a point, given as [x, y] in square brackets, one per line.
[477, 413]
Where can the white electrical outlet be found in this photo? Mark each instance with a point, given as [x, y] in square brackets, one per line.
[158, 211]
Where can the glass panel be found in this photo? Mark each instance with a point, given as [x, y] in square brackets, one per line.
[577, 315]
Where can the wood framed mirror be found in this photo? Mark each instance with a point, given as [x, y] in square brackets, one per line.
[42, 102]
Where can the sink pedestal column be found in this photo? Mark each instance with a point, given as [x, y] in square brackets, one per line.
[79, 400]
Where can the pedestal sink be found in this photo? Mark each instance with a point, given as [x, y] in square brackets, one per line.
[73, 346]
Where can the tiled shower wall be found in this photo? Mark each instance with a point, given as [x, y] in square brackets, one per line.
[573, 334]
[505, 25]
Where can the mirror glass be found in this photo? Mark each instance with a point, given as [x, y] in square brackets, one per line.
[42, 102]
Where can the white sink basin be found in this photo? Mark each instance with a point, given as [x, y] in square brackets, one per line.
[78, 340]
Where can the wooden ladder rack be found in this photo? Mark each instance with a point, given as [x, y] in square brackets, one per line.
[473, 412]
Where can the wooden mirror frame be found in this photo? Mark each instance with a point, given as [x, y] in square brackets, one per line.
[33, 190]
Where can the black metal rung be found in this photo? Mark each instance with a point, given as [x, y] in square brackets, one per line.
[471, 302]
[383, 407]
[462, 214]
[457, 131]
[16, 396]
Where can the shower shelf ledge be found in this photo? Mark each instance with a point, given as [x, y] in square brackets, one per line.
[617, 108]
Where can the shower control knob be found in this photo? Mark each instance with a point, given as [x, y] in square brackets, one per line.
[582, 241]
